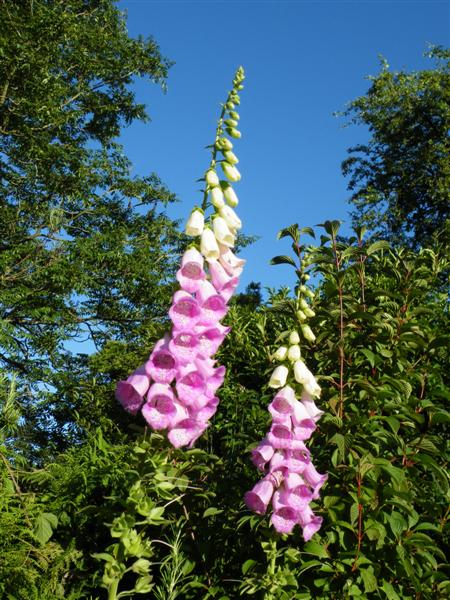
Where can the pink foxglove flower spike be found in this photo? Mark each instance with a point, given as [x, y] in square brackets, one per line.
[176, 388]
[290, 479]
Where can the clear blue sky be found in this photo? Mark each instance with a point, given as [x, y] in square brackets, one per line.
[303, 62]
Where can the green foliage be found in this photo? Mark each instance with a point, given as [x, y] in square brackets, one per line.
[85, 251]
[400, 178]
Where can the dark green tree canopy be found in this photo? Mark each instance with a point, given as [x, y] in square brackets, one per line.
[400, 178]
[86, 250]
[82, 245]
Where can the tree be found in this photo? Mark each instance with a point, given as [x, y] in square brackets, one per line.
[85, 250]
[400, 178]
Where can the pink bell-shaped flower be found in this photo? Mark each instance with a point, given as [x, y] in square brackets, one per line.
[185, 311]
[259, 497]
[213, 306]
[162, 365]
[209, 338]
[262, 454]
[284, 518]
[282, 404]
[230, 262]
[224, 283]
[191, 272]
[183, 345]
[186, 432]
[190, 384]
[130, 393]
[159, 409]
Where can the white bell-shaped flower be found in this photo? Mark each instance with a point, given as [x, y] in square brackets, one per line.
[196, 223]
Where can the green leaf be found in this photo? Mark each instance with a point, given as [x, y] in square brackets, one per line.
[283, 260]
[209, 512]
[391, 594]
[249, 564]
[397, 523]
[291, 231]
[377, 246]
[44, 525]
[316, 549]
[369, 580]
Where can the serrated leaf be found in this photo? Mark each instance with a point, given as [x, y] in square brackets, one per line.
[283, 260]
[397, 523]
[291, 231]
[388, 589]
[308, 231]
[369, 580]
[315, 549]
[377, 246]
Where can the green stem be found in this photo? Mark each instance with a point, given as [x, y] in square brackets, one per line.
[112, 592]
[212, 164]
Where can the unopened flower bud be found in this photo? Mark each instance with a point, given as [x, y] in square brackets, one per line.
[208, 245]
[195, 223]
[231, 123]
[301, 316]
[234, 115]
[211, 178]
[309, 312]
[230, 171]
[281, 353]
[306, 277]
[231, 218]
[294, 352]
[217, 198]
[307, 333]
[303, 304]
[294, 338]
[235, 133]
[231, 157]
[279, 376]
[222, 232]
[224, 144]
[229, 106]
[230, 195]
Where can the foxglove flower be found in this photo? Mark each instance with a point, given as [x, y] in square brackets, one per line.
[195, 223]
[291, 481]
[176, 388]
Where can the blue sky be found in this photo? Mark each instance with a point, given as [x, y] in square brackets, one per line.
[304, 61]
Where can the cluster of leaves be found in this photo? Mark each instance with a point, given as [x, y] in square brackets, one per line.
[85, 248]
[400, 178]
[380, 353]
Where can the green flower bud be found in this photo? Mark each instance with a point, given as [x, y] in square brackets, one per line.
[294, 338]
[224, 144]
[235, 133]
[211, 178]
[306, 277]
[301, 316]
[229, 194]
[230, 171]
[294, 352]
[230, 106]
[231, 122]
[307, 333]
[141, 566]
[217, 197]
[230, 157]
[303, 304]
[234, 115]
[280, 354]
[309, 312]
